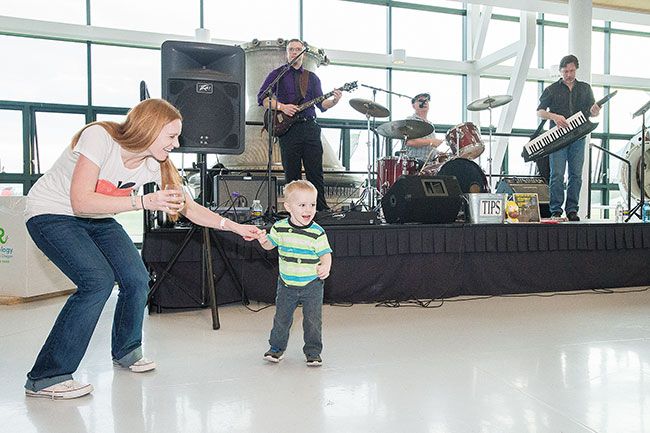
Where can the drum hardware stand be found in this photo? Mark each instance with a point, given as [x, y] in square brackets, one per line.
[426, 161]
[207, 274]
[269, 214]
[489, 103]
[370, 144]
[370, 108]
[639, 206]
[490, 150]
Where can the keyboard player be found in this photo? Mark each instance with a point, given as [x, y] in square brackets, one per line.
[559, 101]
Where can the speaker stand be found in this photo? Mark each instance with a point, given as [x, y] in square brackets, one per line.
[207, 273]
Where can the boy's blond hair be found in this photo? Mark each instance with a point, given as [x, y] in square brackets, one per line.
[297, 185]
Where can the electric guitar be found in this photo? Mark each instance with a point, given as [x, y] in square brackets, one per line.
[282, 122]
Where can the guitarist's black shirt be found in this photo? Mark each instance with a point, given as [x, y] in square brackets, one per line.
[287, 91]
[560, 100]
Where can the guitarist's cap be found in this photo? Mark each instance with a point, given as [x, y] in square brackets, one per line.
[415, 98]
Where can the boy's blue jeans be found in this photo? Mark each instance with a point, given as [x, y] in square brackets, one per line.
[286, 302]
[94, 254]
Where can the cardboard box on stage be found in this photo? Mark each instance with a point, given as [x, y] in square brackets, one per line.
[25, 272]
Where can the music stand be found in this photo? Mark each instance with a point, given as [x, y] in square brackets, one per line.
[207, 274]
[639, 206]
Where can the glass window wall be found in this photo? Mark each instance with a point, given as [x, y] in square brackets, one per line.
[55, 132]
[342, 25]
[43, 71]
[11, 141]
[253, 19]
[117, 72]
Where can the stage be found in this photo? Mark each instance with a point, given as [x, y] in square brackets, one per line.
[402, 262]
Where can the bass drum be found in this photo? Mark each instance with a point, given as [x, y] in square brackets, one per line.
[470, 175]
[632, 153]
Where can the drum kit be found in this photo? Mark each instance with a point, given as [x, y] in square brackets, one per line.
[464, 141]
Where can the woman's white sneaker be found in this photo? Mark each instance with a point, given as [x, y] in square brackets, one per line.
[62, 391]
[140, 366]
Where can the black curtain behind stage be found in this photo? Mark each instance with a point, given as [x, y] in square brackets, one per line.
[401, 262]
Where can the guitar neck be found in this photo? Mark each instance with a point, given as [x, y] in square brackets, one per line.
[315, 101]
[606, 98]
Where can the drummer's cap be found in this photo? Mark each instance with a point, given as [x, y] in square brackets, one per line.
[415, 98]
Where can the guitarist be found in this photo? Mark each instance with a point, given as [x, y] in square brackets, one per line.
[559, 101]
[301, 144]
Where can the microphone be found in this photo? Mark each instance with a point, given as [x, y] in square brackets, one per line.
[295, 59]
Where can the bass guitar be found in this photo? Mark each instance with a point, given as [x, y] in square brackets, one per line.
[282, 122]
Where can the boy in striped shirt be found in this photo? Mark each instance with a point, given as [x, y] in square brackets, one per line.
[305, 261]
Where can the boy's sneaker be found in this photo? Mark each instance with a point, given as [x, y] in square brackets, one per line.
[62, 391]
[314, 361]
[140, 366]
[274, 355]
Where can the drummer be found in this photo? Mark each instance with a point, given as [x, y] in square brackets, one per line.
[422, 149]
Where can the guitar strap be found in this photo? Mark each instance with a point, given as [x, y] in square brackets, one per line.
[539, 129]
[301, 84]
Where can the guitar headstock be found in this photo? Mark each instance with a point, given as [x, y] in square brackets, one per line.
[348, 87]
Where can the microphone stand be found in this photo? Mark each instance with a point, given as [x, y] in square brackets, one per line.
[270, 121]
[386, 91]
[639, 206]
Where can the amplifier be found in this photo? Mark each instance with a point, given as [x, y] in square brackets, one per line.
[509, 185]
[237, 214]
[227, 188]
[351, 217]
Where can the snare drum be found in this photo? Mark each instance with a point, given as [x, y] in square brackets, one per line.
[466, 140]
[390, 168]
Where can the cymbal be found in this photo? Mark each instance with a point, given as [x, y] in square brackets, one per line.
[405, 129]
[369, 108]
[489, 102]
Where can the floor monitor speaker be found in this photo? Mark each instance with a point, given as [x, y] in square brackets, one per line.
[422, 199]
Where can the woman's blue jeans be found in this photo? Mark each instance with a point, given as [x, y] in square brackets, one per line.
[573, 157]
[94, 254]
[286, 302]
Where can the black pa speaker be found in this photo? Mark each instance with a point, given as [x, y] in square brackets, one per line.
[207, 84]
[422, 199]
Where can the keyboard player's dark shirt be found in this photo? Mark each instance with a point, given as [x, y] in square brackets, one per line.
[558, 99]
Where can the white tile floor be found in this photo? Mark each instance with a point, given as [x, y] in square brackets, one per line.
[538, 364]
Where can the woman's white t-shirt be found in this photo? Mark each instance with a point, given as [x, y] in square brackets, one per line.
[51, 193]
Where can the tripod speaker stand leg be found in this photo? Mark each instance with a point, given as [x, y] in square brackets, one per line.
[206, 271]
[209, 275]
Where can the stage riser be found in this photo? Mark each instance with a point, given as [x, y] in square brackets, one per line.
[434, 261]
